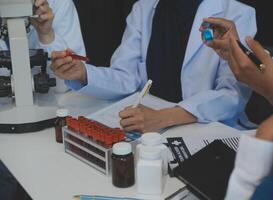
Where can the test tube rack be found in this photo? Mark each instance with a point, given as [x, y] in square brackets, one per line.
[91, 142]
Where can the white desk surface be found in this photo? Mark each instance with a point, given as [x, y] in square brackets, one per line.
[47, 172]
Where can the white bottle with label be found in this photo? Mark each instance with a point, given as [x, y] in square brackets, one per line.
[153, 139]
[149, 171]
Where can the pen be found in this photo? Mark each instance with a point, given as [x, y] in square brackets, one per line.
[77, 57]
[96, 197]
[74, 56]
[260, 66]
[143, 92]
[34, 16]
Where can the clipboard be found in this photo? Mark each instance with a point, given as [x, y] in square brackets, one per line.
[207, 172]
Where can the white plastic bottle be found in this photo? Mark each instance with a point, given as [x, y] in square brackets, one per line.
[155, 140]
[149, 171]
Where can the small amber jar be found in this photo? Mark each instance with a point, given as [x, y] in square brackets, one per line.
[123, 171]
[60, 123]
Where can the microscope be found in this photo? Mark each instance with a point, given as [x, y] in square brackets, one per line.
[23, 114]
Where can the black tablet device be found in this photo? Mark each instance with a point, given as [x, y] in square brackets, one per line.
[207, 172]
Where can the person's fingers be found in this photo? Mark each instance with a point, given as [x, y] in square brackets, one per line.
[258, 50]
[58, 63]
[222, 26]
[38, 3]
[218, 22]
[136, 119]
[127, 113]
[128, 121]
[137, 128]
[62, 69]
[57, 55]
[218, 44]
[69, 51]
[234, 66]
[73, 72]
[42, 9]
[239, 56]
[47, 16]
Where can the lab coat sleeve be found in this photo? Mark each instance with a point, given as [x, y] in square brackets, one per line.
[67, 35]
[253, 162]
[122, 78]
[66, 28]
[228, 97]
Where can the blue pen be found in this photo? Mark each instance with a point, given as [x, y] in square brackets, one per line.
[97, 197]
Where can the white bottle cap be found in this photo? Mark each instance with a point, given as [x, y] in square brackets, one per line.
[150, 153]
[122, 148]
[151, 139]
[62, 112]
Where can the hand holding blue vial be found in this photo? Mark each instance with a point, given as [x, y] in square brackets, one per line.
[207, 32]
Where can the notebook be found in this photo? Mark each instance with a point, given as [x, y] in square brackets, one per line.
[207, 172]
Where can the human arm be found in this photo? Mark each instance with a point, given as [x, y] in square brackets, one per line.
[144, 119]
[222, 100]
[242, 67]
[225, 98]
[253, 162]
[66, 28]
[67, 34]
[43, 23]
[246, 71]
[122, 77]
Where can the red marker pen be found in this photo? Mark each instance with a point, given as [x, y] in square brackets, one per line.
[76, 57]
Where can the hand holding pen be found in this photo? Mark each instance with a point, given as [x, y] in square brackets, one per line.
[245, 70]
[259, 65]
[42, 20]
[224, 30]
[143, 92]
[137, 117]
[68, 66]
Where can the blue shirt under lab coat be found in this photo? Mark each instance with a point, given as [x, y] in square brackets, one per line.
[210, 91]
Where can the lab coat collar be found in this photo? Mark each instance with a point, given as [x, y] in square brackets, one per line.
[155, 4]
[208, 8]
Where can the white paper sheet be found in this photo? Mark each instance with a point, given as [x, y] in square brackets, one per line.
[110, 115]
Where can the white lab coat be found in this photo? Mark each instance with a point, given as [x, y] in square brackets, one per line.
[210, 91]
[67, 34]
[254, 161]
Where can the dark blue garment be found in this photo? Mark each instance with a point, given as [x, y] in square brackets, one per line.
[172, 23]
[8, 184]
[265, 190]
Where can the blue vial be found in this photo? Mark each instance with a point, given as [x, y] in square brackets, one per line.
[207, 33]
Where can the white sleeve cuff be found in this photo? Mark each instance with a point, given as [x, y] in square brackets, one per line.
[255, 156]
[253, 162]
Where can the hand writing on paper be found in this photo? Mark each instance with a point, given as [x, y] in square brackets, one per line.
[141, 119]
[144, 119]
